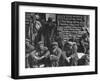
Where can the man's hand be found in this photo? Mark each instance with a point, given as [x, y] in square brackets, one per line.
[68, 59]
[42, 57]
[53, 57]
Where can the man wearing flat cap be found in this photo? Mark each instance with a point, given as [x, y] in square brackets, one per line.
[70, 54]
[55, 54]
[41, 55]
[28, 49]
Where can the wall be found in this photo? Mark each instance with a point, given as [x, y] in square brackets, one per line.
[5, 41]
[71, 25]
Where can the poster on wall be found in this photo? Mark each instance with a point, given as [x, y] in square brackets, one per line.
[51, 40]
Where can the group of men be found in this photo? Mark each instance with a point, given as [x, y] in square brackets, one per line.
[54, 57]
[50, 52]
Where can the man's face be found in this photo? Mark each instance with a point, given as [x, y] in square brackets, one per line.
[27, 43]
[54, 46]
[41, 46]
[70, 46]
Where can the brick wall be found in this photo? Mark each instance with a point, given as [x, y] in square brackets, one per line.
[71, 25]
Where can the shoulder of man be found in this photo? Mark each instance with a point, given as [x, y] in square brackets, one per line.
[59, 50]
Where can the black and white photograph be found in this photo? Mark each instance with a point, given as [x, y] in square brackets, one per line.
[56, 40]
[51, 40]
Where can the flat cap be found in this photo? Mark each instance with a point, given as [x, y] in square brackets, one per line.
[40, 42]
[54, 43]
[27, 40]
